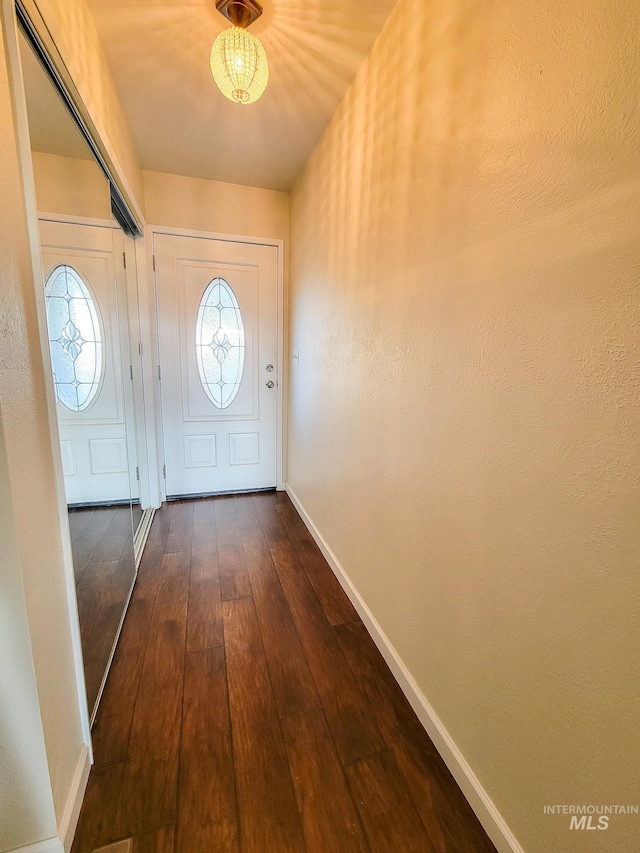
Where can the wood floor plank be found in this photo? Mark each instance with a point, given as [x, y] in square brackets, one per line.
[329, 817]
[413, 751]
[295, 526]
[205, 605]
[388, 814]
[266, 801]
[99, 633]
[157, 841]
[207, 814]
[293, 685]
[99, 643]
[180, 527]
[391, 708]
[355, 732]
[456, 825]
[446, 814]
[110, 733]
[89, 594]
[204, 621]
[234, 578]
[204, 513]
[89, 538]
[150, 569]
[113, 583]
[148, 798]
[245, 513]
[97, 816]
[122, 581]
[149, 790]
[265, 506]
[155, 731]
[116, 536]
[160, 525]
[79, 519]
[334, 601]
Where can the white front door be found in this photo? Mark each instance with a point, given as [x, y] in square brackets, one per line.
[86, 341]
[217, 320]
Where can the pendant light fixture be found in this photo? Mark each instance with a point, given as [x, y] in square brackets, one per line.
[238, 61]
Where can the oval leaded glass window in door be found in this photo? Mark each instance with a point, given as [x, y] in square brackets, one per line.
[75, 341]
[220, 343]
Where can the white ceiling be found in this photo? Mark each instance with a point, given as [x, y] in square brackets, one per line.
[158, 53]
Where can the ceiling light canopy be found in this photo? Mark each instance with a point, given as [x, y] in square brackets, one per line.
[238, 61]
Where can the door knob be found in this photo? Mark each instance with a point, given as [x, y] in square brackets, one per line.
[271, 384]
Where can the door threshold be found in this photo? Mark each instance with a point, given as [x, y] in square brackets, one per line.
[197, 495]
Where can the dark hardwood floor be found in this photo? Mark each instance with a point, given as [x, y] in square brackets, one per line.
[104, 568]
[247, 708]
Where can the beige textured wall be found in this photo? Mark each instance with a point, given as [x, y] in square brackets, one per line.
[200, 205]
[74, 33]
[72, 187]
[26, 804]
[30, 492]
[464, 421]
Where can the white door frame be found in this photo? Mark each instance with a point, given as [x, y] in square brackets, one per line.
[150, 233]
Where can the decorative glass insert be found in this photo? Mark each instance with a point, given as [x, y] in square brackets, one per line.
[220, 343]
[75, 341]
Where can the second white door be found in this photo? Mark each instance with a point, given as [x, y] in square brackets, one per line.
[86, 315]
[218, 334]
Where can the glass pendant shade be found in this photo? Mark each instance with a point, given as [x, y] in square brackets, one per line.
[239, 65]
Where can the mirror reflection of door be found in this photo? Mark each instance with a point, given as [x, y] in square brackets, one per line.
[86, 306]
[84, 341]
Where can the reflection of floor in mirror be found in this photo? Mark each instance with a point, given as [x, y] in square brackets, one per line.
[102, 546]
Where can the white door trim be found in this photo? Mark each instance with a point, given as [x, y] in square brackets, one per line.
[151, 231]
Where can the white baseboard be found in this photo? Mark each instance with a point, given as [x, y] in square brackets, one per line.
[479, 800]
[61, 843]
[69, 820]
[51, 845]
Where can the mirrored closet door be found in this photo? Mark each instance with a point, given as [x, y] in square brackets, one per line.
[88, 281]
